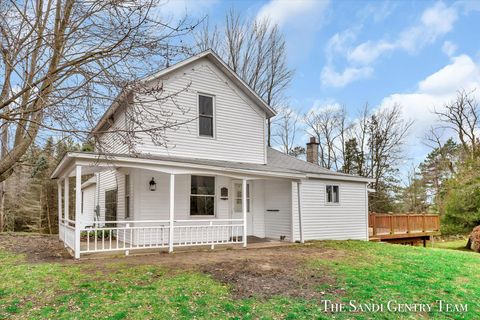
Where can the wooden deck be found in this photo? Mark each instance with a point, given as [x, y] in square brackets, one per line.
[403, 228]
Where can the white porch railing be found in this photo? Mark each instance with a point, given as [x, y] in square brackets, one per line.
[66, 232]
[104, 236]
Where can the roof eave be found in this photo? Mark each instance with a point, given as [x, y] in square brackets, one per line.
[71, 157]
[332, 176]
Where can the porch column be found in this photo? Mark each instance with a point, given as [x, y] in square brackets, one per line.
[59, 204]
[78, 209]
[300, 222]
[172, 210]
[66, 187]
[244, 209]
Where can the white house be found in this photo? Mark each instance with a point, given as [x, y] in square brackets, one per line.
[217, 182]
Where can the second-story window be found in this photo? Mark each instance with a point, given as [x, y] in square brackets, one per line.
[205, 116]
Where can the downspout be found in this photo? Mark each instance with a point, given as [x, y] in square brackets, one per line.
[366, 211]
[300, 223]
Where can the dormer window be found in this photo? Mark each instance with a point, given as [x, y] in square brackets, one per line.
[205, 116]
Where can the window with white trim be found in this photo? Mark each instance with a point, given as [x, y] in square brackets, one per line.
[205, 116]
[202, 196]
[333, 194]
[238, 205]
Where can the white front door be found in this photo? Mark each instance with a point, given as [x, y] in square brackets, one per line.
[236, 204]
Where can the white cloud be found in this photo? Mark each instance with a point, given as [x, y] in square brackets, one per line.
[377, 11]
[449, 48]
[340, 42]
[330, 77]
[435, 22]
[432, 93]
[300, 21]
[369, 51]
[463, 72]
[297, 12]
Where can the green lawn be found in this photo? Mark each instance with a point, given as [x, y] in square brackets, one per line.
[459, 244]
[364, 272]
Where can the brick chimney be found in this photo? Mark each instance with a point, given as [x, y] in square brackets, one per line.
[312, 151]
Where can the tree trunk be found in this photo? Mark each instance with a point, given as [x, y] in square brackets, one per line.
[47, 204]
[3, 152]
[2, 206]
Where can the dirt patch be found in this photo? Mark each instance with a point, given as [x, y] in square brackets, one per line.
[266, 278]
[265, 272]
[36, 247]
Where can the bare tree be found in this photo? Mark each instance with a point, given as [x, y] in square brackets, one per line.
[463, 117]
[332, 129]
[286, 129]
[63, 62]
[256, 51]
[387, 132]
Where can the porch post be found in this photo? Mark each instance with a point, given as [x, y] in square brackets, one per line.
[244, 209]
[172, 210]
[59, 204]
[300, 223]
[78, 209]
[66, 187]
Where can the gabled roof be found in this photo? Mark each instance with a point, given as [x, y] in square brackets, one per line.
[232, 75]
[281, 160]
[217, 61]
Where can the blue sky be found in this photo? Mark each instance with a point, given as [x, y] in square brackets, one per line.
[415, 53]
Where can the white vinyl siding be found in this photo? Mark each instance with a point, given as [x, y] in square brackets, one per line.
[114, 140]
[239, 133]
[346, 220]
[278, 209]
[88, 201]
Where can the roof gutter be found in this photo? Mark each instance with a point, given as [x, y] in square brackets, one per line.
[334, 176]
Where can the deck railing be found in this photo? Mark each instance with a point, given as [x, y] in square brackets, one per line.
[391, 224]
[104, 236]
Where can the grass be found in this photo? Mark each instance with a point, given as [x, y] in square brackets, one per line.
[458, 244]
[365, 272]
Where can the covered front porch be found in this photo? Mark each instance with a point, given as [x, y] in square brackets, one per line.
[123, 205]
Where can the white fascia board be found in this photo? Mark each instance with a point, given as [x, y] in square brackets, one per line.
[339, 177]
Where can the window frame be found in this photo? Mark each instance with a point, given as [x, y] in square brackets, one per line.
[214, 196]
[214, 116]
[127, 196]
[249, 196]
[116, 206]
[332, 203]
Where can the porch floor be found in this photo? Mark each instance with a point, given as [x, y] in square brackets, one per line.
[252, 243]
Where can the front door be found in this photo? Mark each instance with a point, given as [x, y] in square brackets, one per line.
[236, 205]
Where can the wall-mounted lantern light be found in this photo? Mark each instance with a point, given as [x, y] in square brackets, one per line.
[224, 193]
[153, 185]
